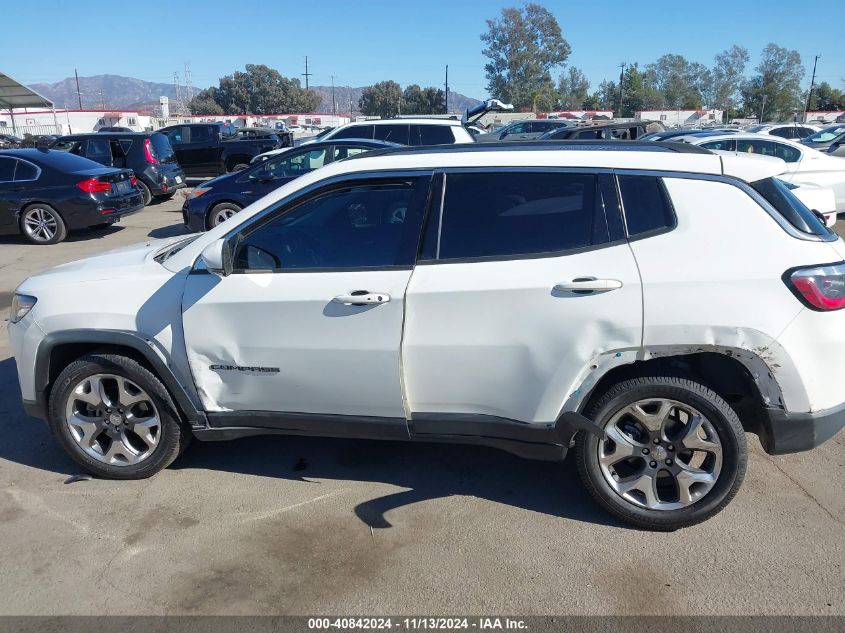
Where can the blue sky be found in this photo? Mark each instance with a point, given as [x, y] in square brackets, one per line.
[364, 41]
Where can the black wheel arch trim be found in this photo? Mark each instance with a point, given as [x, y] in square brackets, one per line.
[183, 391]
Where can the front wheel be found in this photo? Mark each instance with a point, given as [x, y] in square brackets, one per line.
[221, 212]
[115, 418]
[674, 453]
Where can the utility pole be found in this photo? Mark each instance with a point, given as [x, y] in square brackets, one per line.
[103, 98]
[812, 85]
[78, 94]
[306, 74]
[188, 85]
[621, 87]
[762, 108]
[334, 103]
[447, 88]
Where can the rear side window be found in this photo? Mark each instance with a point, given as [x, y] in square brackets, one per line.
[161, 148]
[356, 131]
[391, 133]
[431, 135]
[518, 213]
[202, 134]
[25, 171]
[646, 204]
[791, 208]
[7, 169]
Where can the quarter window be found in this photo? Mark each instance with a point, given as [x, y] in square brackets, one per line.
[646, 204]
[350, 227]
[518, 213]
[431, 135]
[25, 171]
[347, 151]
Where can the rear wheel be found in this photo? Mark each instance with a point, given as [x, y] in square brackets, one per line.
[148, 195]
[673, 455]
[42, 224]
[222, 212]
[115, 418]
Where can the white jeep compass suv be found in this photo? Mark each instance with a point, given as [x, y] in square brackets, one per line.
[646, 304]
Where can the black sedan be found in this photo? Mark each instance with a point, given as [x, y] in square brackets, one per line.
[220, 198]
[45, 193]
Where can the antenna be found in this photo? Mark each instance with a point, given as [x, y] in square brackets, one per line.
[306, 74]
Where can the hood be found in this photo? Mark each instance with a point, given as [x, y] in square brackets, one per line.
[115, 264]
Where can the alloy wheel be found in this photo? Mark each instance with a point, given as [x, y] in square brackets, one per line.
[222, 215]
[40, 224]
[113, 420]
[660, 454]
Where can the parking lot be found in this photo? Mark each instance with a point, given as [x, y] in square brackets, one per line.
[277, 525]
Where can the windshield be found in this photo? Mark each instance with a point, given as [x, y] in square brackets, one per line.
[790, 207]
[826, 135]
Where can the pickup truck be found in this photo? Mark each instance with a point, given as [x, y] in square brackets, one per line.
[204, 150]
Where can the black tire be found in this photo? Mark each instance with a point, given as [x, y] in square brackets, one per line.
[59, 232]
[213, 215]
[174, 433]
[148, 195]
[165, 197]
[238, 167]
[724, 421]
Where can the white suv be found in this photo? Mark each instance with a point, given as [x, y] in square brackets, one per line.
[643, 303]
[418, 131]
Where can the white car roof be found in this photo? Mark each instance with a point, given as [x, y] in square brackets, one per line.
[748, 136]
[417, 120]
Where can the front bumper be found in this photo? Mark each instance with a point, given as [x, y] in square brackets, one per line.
[785, 432]
[193, 216]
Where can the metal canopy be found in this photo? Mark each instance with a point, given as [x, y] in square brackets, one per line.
[14, 94]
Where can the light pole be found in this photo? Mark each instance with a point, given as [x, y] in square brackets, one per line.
[621, 87]
[812, 84]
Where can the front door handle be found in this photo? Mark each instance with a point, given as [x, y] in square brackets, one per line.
[588, 285]
[362, 298]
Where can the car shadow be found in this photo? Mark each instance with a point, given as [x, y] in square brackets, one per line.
[171, 230]
[76, 235]
[423, 471]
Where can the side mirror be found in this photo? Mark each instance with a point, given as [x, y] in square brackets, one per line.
[217, 258]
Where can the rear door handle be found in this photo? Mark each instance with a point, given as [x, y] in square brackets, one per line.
[588, 285]
[362, 298]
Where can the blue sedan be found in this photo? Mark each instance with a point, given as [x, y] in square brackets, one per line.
[220, 198]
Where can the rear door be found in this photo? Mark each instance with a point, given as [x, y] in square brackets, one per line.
[10, 194]
[203, 149]
[525, 282]
[98, 150]
[179, 138]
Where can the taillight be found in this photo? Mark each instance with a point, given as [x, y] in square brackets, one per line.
[819, 287]
[92, 185]
[133, 180]
[148, 153]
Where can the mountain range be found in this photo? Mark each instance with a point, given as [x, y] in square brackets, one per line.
[128, 93]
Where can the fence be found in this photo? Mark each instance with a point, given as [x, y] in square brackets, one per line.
[30, 130]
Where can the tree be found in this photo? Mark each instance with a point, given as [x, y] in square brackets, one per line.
[416, 100]
[382, 99]
[259, 90]
[205, 103]
[573, 89]
[728, 71]
[523, 47]
[682, 84]
[775, 89]
[640, 93]
[825, 98]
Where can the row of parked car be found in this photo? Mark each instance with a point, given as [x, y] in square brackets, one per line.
[244, 165]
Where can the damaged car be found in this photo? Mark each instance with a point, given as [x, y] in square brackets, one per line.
[643, 305]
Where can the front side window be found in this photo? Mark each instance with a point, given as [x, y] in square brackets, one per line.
[518, 213]
[646, 204]
[349, 227]
[355, 131]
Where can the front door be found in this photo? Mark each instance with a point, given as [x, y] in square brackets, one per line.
[527, 284]
[310, 321]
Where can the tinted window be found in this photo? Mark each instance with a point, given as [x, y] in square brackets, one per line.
[359, 226]
[728, 145]
[784, 132]
[790, 207]
[7, 169]
[646, 203]
[589, 134]
[392, 133]
[346, 151]
[161, 148]
[356, 131]
[432, 135]
[202, 134]
[787, 152]
[502, 214]
[25, 171]
[518, 128]
[293, 165]
[176, 135]
[764, 148]
[74, 147]
[97, 149]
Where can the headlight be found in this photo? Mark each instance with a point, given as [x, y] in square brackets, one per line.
[198, 191]
[21, 305]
